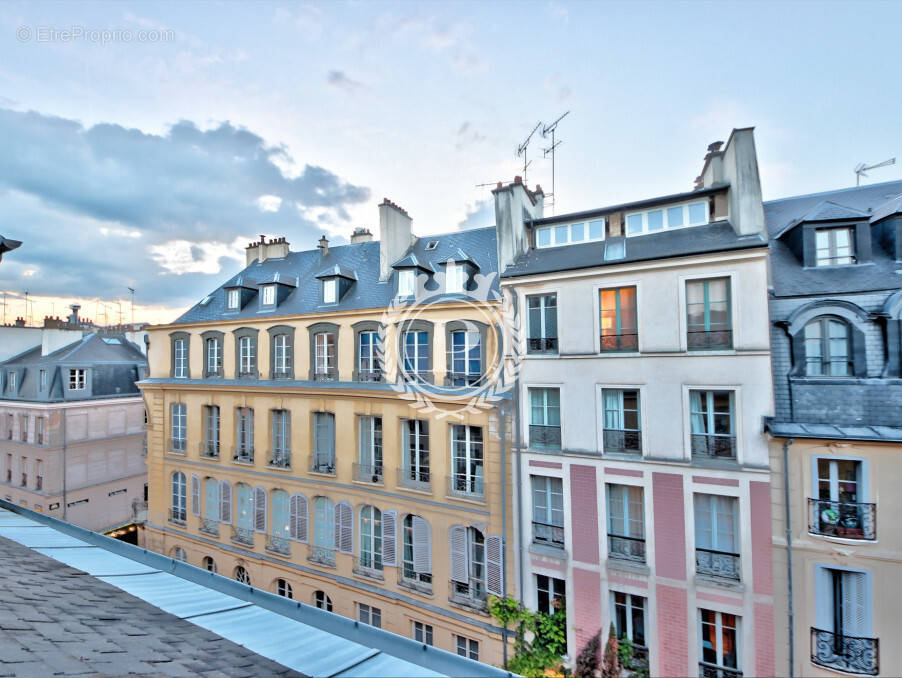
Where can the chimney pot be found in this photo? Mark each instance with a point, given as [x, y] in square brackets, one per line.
[715, 146]
[518, 179]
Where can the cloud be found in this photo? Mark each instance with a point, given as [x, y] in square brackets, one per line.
[467, 135]
[480, 214]
[103, 207]
[339, 79]
[557, 87]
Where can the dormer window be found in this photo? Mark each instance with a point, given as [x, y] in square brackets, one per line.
[666, 218]
[12, 381]
[407, 282]
[330, 291]
[269, 295]
[233, 300]
[835, 246]
[570, 234]
[455, 277]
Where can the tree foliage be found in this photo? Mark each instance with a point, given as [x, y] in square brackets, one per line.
[541, 639]
[587, 659]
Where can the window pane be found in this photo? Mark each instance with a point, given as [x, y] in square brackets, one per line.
[634, 224]
[674, 216]
[561, 234]
[655, 220]
[697, 213]
[576, 232]
[596, 229]
[543, 237]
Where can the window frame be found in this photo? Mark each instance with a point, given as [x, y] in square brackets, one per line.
[328, 368]
[318, 462]
[213, 357]
[79, 377]
[178, 427]
[407, 283]
[422, 632]
[665, 217]
[281, 351]
[375, 332]
[473, 460]
[246, 353]
[832, 248]
[538, 485]
[371, 538]
[706, 313]
[618, 309]
[369, 615]
[825, 341]
[545, 345]
[423, 365]
[735, 421]
[718, 635]
[470, 329]
[603, 410]
[554, 231]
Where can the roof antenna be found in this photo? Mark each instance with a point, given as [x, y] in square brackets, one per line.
[521, 150]
[862, 168]
[546, 130]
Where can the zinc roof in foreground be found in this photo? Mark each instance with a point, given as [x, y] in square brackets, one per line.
[79, 603]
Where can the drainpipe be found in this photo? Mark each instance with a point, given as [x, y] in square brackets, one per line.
[504, 517]
[786, 444]
[64, 463]
[519, 477]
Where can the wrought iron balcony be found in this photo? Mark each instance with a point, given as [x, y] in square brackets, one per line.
[709, 341]
[717, 563]
[462, 379]
[325, 375]
[466, 486]
[322, 464]
[243, 535]
[619, 342]
[209, 526]
[321, 555]
[417, 479]
[279, 458]
[706, 670]
[208, 449]
[545, 437]
[369, 473]
[849, 520]
[178, 516]
[282, 374]
[623, 442]
[370, 375]
[416, 581]
[244, 453]
[550, 535]
[541, 345]
[626, 548]
[471, 594]
[845, 653]
[278, 543]
[370, 566]
[705, 446]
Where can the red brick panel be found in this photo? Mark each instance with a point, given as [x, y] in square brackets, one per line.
[763, 575]
[584, 513]
[670, 528]
[764, 639]
[587, 606]
[673, 636]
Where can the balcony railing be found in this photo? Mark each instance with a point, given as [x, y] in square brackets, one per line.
[462, 379]
[619, 342]
[210, 527]
[370, 375]
[472, 594]
[177, 445]
[325, 375]
[849, 520]
[243, 535]
[208, 449]
[321, 464]
[466, 486]
[638, 661]
[416, 581]
[705, 446]
[545, 437]
[541, 345]
[550, 535]
[845, 653]
[711, 341]
[626, 548]
[279, 458]
[178, 516]
[717, 563]
[321, 555]
[623, 442]
[369, 566]
[706, 670]
[244, 454]
[281, 374]
[369, 473]
[421, 377]
[417, 479]
[278, 543]
[39, 483]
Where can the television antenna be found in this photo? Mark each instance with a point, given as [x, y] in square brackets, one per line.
[550, 130]
[132, 291]
[521, 149]
[862, 168]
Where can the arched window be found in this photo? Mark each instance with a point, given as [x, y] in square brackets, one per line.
[416, 560]
[283, 588]
[322, 601]
[242, 576]
[828, 348]
[209, 564]
[179, 498]
[371, 538]
[178, 553]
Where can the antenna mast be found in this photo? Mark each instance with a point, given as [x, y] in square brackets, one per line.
[521, 149]
[862, 168]
[132, 290]
[546, 130]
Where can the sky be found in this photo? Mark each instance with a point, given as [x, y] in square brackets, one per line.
[144, 145]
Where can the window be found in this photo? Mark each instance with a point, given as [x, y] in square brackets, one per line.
[629, 624]
[180, 358]
[179, 422]
[247, 352]
[233, 300]
[244, 449]
[281, 439]
[548, 511]
[178, 511]
[416, 354]
[467, 647]
[673, 216]
[13, 380]
[468, 564]
[626, 522]
[467, 471]
[369, 365]
[330, 291]
[422, 633]
[827, 344]
[716, 538]
[708, 323]
[324, 442]
[416, 453]
[322, 601]
[23, 467]
[209, 564]
[834, 246]
[212, 508]
[371, 538]
[323, 548]
[622, 422]
[23, 428]
[76, 380]
[9, 468]
[297, 517]
[269, 295]
[211, 427]
[711, 419]
[569, 234]
[367, 614]
[370, 454]
[39, 474]
[719, 649]
[281, 348]
[241, 576]
[9, 426]
[214, 356]
[407, 280]
[43, 375]
[416, 557]
[843, 638]
[178, 553]
[324, 356]
[455, 277]
[245, 515]
[542, 322]
[618, 324]
[283, 588]
[545, 418]
[839, 508]
[465, 358]
[551, 594]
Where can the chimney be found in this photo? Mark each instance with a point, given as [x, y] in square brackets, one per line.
[275, 248]
[254, 250]
[515, 204]
[737, 165]
[73, 317]
[395, 235]
[323, 246]
[20, 322]
[361, 234]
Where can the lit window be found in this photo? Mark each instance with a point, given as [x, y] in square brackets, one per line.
[719, 639]
[619, 330]
[629, 624]
[330, 291]
[269, 295]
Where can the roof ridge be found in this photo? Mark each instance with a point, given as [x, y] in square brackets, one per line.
[833, 191]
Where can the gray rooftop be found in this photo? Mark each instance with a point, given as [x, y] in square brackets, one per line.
[785, 429]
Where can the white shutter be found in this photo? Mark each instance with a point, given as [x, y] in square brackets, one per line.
[390, 538]
[259, 509]
[460, 566]
[494, 565]
[616, 510]
[422, 546]
[298, 517]
[225, 502]
[854, 604]
[703, 526]
[195, 495]
[344, 528]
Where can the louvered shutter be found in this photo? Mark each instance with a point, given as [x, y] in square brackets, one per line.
[494, 565]
[195, 495]
[225, 502]
[260, 509]
[390, 538]
[422, 546]
[460, 566]
[298, 517]
[854, 604]
[344, 528]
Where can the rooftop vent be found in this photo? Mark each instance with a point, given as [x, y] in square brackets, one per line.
[205, 300]
[615, 249]
[431, 245]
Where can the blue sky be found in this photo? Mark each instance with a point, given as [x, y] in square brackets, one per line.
[150, 164]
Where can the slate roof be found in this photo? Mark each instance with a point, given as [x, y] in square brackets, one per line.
[782, 429]
[361, 259]
[714, 237]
